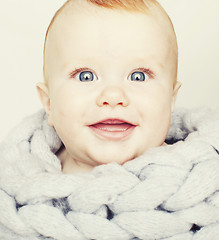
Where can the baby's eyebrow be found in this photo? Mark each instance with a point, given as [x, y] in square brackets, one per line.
[77, 64]
[151, 59]
[141, 61]
[161, 65]
[64, 66]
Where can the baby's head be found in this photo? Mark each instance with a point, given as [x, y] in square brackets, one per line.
[110, 70]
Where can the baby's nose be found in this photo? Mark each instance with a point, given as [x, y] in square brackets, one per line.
[112, 96]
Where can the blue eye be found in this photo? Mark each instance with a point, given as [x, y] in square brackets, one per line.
[86, 76]
[138, 76]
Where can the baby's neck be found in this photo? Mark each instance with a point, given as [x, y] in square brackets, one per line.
[70, 165]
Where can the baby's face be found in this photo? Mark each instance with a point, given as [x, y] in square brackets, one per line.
[111, 83]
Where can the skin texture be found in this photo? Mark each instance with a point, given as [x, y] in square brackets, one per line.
[112, 44]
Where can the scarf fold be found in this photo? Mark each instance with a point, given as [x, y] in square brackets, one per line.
[169, 193]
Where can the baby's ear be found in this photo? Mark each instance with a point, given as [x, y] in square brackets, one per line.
[43, 92]
[176, 88]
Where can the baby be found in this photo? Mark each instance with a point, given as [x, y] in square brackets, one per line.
[110, 86]
[110, 70]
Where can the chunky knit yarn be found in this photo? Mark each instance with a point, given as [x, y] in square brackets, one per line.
[170, 192]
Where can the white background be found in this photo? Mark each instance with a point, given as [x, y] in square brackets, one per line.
[23, 26]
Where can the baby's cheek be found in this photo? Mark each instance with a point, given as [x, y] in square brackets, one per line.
[61, 102]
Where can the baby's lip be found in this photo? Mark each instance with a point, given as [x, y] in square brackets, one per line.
[113, 129]
[113, 121]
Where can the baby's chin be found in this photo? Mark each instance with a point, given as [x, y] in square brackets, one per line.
[119, 160]
[120, 157]
[101, 156]
[116, 157]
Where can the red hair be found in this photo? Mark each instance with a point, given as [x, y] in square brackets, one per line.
[129, 5]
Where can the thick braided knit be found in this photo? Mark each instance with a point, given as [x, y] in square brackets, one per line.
[171, 192]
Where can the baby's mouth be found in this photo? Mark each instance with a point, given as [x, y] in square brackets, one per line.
[113, 129]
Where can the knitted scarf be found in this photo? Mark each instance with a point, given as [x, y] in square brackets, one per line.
[170, 192]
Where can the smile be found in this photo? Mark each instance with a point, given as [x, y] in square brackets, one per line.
[113, 129]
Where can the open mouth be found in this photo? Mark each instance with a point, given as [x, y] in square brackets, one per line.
[113, 129]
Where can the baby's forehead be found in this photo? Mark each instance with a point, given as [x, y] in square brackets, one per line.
[62, 27]
[148, 7]
[85, 12]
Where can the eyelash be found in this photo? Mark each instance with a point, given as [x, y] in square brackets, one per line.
[146, 71]
[77, 71]
[140, 69]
